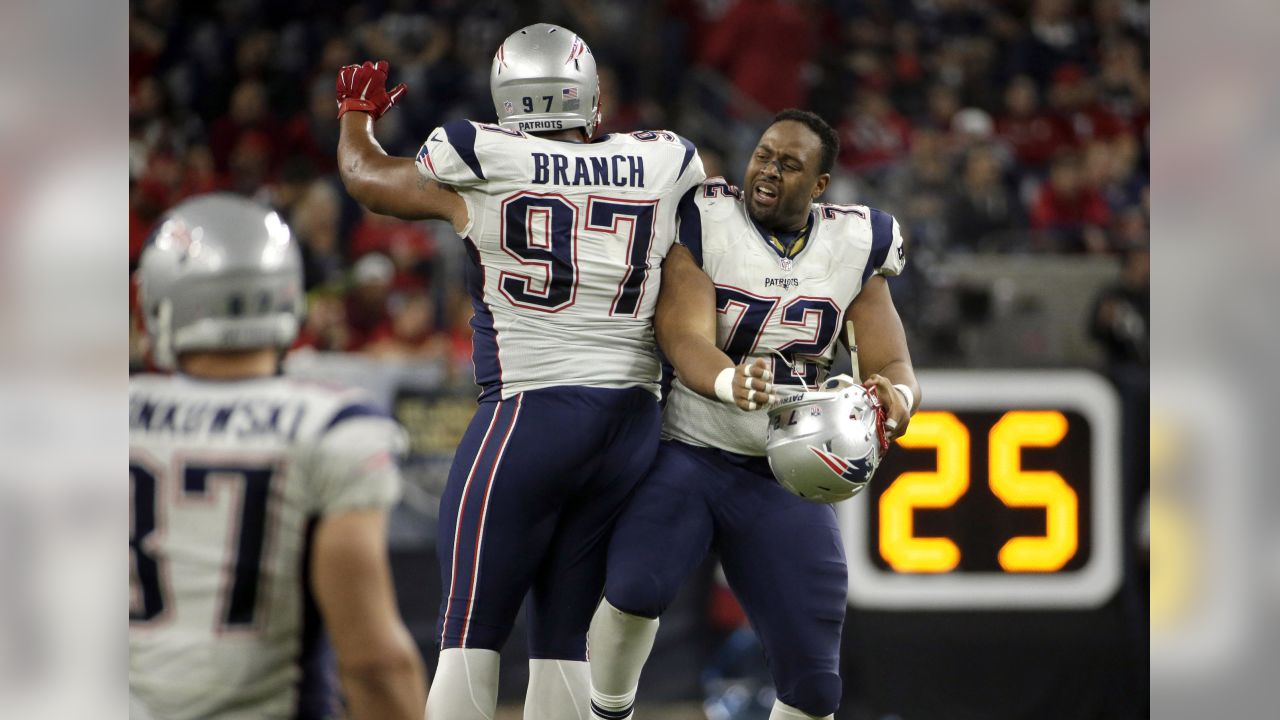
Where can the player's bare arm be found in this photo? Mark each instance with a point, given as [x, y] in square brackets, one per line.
[883, 358]
[378, 663]
[383, 183]
[685, 324]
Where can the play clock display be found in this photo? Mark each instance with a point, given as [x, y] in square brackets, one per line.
[1003, 493]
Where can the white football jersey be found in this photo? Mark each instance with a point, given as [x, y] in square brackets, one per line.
[566, 242]
[226, 480]
[767, 302]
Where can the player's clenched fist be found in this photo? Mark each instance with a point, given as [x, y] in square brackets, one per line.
[364, 88]
[749, 385]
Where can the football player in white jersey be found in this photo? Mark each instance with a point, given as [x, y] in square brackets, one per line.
[566, 234]
[754, 297]
[258, 504]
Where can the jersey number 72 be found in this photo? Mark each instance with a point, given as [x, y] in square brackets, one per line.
[818, 316]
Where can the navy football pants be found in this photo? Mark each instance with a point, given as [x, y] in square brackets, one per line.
[535, 487]
[783, 558]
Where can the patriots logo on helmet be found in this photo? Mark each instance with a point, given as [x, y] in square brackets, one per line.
[855, 471]
[176, 234]
[575, 51]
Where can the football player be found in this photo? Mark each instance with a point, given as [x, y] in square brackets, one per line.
[259, 504]
[566, 233]
[768, 276]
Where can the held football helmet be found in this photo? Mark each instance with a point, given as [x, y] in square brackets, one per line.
[544, 78]
[220, 273]
[824, 445]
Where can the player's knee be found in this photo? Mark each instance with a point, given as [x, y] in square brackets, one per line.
[816, 694]
[639, 594]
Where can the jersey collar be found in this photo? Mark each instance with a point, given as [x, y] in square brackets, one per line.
[785, 245]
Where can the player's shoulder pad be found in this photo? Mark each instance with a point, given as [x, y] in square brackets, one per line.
[332, 407]
[666, 139]
[845, 218]
[887, 256]
[354, 409]
[717, 198]
[658, 137]
[708, 204]
[451, 152]
[143, 382]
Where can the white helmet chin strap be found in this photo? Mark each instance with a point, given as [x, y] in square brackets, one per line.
[786, 390]
[841, 381]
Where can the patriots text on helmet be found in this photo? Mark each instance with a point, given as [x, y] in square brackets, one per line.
[533, 125]
[614, 170]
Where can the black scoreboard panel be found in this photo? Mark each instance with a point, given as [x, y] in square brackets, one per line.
[1031, 517]
[984, 558]
[1003, 493]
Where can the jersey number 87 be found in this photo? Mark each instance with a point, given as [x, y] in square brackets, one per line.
[148, 594]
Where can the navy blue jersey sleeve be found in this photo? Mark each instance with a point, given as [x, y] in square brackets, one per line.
[691, 174]
[353, 411]
[887, 256]
[689, 223]
[449, 155]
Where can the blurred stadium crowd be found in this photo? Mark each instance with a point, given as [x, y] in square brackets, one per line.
[1001, 126]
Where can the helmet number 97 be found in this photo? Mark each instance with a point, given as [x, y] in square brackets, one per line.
[528, 103]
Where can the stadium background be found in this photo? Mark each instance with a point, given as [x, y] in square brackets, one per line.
[1010, 138]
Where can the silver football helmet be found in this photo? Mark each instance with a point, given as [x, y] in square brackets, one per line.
[544, 78]
[824, 445]
[220, 273]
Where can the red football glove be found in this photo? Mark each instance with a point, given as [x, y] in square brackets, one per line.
[364, 88]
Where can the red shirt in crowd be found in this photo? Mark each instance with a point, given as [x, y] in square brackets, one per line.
[1036, 138]
[298, 139]
[1053, 209]
[762, 46]
[871, 141]
[385, 235]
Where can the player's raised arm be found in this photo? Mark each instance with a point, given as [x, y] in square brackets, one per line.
[884, 362]
[685, 324]
[378, 663]
[382, 183]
